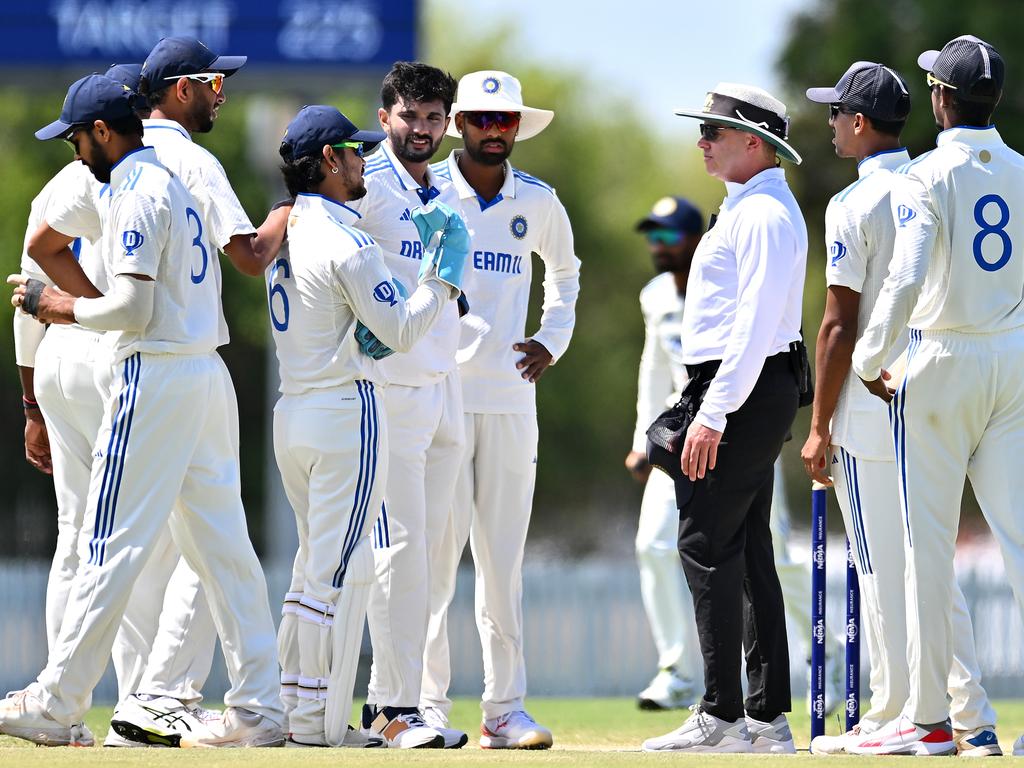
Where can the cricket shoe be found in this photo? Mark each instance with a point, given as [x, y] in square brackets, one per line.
[353, 740]
[438, 720]
[1018, 747]
[160, 721]
[703, 732]
[23, 716]
[668, 691]
[771, 738]
[514, 730]
[400, 727]
[116, 741]
[836, 745]
[977, 742]
[903, 737]
[237, 727]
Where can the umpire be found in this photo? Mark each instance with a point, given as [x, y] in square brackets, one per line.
[743, 352]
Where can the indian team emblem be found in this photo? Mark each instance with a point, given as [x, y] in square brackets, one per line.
[491, 85]
[518, 227]
[665, 207]
[131, 240]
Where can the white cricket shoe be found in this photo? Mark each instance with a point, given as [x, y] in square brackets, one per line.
[23, 716]
[668, 690]
[703, 732]
[438, 720]
[977, 742]
[400, 727]
[1018, 747]
[514, 730]
[237, 727]
[904, 737]
[353, 740]
[836, 745]
[771, 738]
[160, 721]
[115, 740]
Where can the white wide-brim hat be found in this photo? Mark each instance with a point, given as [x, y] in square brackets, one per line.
[750, 109]
[494, 91]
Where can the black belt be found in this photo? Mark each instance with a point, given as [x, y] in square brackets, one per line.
[708, 369]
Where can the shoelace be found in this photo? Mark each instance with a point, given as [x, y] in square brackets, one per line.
[413, 720]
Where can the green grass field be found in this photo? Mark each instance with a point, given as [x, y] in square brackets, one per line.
[588, 732]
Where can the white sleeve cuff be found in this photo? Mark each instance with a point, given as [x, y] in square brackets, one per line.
[716, 423]
[127, 307]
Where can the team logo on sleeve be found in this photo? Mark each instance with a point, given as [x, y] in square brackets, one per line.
[518, 227]
[837, 250]
[491, 85]
[131, 240]
[905, 214]
[384, 292]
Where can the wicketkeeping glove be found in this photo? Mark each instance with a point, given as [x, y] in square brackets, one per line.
[445, 242]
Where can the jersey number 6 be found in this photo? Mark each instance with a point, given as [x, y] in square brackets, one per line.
[998, 229]
[280, 266]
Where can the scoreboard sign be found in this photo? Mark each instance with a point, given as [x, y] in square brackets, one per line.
[288, 33]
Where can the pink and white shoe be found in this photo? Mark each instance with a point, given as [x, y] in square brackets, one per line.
[903, 737]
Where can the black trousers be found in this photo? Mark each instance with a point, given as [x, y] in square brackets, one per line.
[726, 548]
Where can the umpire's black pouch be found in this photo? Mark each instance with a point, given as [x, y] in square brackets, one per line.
[801, 366]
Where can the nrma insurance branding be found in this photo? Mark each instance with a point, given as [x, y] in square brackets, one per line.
[338, 32]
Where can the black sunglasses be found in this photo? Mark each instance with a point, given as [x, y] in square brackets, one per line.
[712, 133]
[835, 109]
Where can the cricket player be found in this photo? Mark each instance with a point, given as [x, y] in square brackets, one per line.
[510, 216]
[955, 283]
[741, 326]
[165, 435]
[867, 110]
[672, 230]
[330, 433]
[424, 405]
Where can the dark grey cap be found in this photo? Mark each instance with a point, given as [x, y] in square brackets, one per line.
[872, 89]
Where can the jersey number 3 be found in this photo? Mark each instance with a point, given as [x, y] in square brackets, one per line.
[998, 229]
[197, 242]
[281, 267]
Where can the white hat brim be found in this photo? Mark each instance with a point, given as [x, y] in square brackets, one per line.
[532, 122]
[785, 150]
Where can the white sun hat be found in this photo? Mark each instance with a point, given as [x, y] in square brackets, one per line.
[495, 91]
[750, 109]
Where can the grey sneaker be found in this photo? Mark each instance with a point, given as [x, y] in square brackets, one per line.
[237, 727]
[773, 738]
[703, 732]
[668, 690]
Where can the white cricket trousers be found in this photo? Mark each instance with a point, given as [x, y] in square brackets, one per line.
[666, 597]
[959, 413]
[493, 502]
[333, 463]
[867, 492]
[426, 443]
[166, 435]
[70, 396]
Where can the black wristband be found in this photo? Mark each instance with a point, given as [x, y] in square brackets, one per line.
[30, 301]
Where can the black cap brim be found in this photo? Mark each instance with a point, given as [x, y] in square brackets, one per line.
[823, 95]
[370, 139]
[55, 130]
[927, 60]
[228, 65]
[654, 222]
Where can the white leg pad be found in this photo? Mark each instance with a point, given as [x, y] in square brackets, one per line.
[315, 622]
[288, 652]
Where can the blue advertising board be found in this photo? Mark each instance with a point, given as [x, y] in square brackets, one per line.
[283, 33]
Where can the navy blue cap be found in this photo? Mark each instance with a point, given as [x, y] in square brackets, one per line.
[130, 75]
[175, 57]
[94, 97]
[676, 213]
[872, 89]
[318, 125]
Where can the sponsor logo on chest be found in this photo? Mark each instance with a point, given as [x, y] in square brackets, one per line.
[495, 261]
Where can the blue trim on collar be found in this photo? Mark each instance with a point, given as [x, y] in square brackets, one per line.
[330, 200]
[883, 152]
[128, 154]
[485, 204]
[182, 131]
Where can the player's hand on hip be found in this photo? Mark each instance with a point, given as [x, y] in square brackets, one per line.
[700, 451]
[638, 466]
[535, 360]
[37, 442]
[878, 387]
[815, 455]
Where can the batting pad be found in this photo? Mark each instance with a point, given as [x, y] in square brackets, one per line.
[288, 652]
[350, 616]
[315, 620]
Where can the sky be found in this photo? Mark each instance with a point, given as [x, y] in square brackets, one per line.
[668, 53]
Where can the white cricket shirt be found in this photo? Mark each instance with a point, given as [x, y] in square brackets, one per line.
[333, 275]
[957, 265]
[525, 217]
[744, 295]
[152, 231]
[662, 373]
[859, 237]
[221, 214]
[386, 214]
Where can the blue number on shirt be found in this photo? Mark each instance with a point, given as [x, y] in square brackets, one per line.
[281, 265]
[998, 229]
[197, 241]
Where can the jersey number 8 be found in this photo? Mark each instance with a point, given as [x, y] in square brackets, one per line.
[998, 229]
